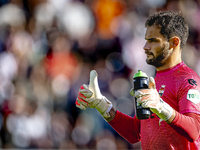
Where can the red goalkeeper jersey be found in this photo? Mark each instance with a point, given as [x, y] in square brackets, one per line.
[180, 88]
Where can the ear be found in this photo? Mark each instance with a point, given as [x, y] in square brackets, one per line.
[174, 42]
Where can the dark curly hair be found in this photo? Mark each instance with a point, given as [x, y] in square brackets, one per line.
[171, 24]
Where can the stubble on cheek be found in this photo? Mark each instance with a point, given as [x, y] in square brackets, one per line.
[159, 58]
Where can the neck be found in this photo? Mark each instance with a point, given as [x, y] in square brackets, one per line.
[172, 61]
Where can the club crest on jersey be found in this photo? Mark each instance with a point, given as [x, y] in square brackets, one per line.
[193, 96]
[162, 89]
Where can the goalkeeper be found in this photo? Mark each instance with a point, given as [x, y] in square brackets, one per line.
[175, 120]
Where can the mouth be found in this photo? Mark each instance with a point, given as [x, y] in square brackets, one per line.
[148, 54]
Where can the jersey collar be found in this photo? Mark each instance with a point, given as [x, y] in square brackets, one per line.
[169, 70]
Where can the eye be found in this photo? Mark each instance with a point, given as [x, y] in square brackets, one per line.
[152, 40]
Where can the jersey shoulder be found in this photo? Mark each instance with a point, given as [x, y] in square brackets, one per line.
[185, 72]
[185, 76]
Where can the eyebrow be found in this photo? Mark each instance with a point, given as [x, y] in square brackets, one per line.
[152, 39]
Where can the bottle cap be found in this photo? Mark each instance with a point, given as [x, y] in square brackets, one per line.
[140, 74]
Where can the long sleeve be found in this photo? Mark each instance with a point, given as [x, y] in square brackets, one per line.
[187, 125]
[128, 127]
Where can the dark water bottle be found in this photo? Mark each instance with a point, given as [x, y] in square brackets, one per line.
[140, 81]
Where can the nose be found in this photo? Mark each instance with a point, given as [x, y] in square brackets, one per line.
[146, 47]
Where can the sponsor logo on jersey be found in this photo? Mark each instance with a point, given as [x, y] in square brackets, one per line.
[162, 89]
[192, 82]
[193, 96]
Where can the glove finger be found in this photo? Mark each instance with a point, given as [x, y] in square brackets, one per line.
[85, 86]
[85, 89]
[146, 91]
[145, 104]
[80, 106]
[148, 104]
[84, 95]
[86, 92]
[152, 84]
[85, 101]
[140, 93]
[90, 101]
[132, 92]
[81, 95]
[143, 99]
[93, 84]
[82, 102]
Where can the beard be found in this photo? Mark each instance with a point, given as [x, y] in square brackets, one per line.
[160, 59]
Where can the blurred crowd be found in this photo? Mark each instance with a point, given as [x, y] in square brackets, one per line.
[47, 50]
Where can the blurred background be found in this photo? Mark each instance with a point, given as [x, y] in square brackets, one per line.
[47, 49]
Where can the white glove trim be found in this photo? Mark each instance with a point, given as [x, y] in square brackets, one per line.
[163, 110]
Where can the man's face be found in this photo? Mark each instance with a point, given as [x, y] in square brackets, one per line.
[156, 47]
